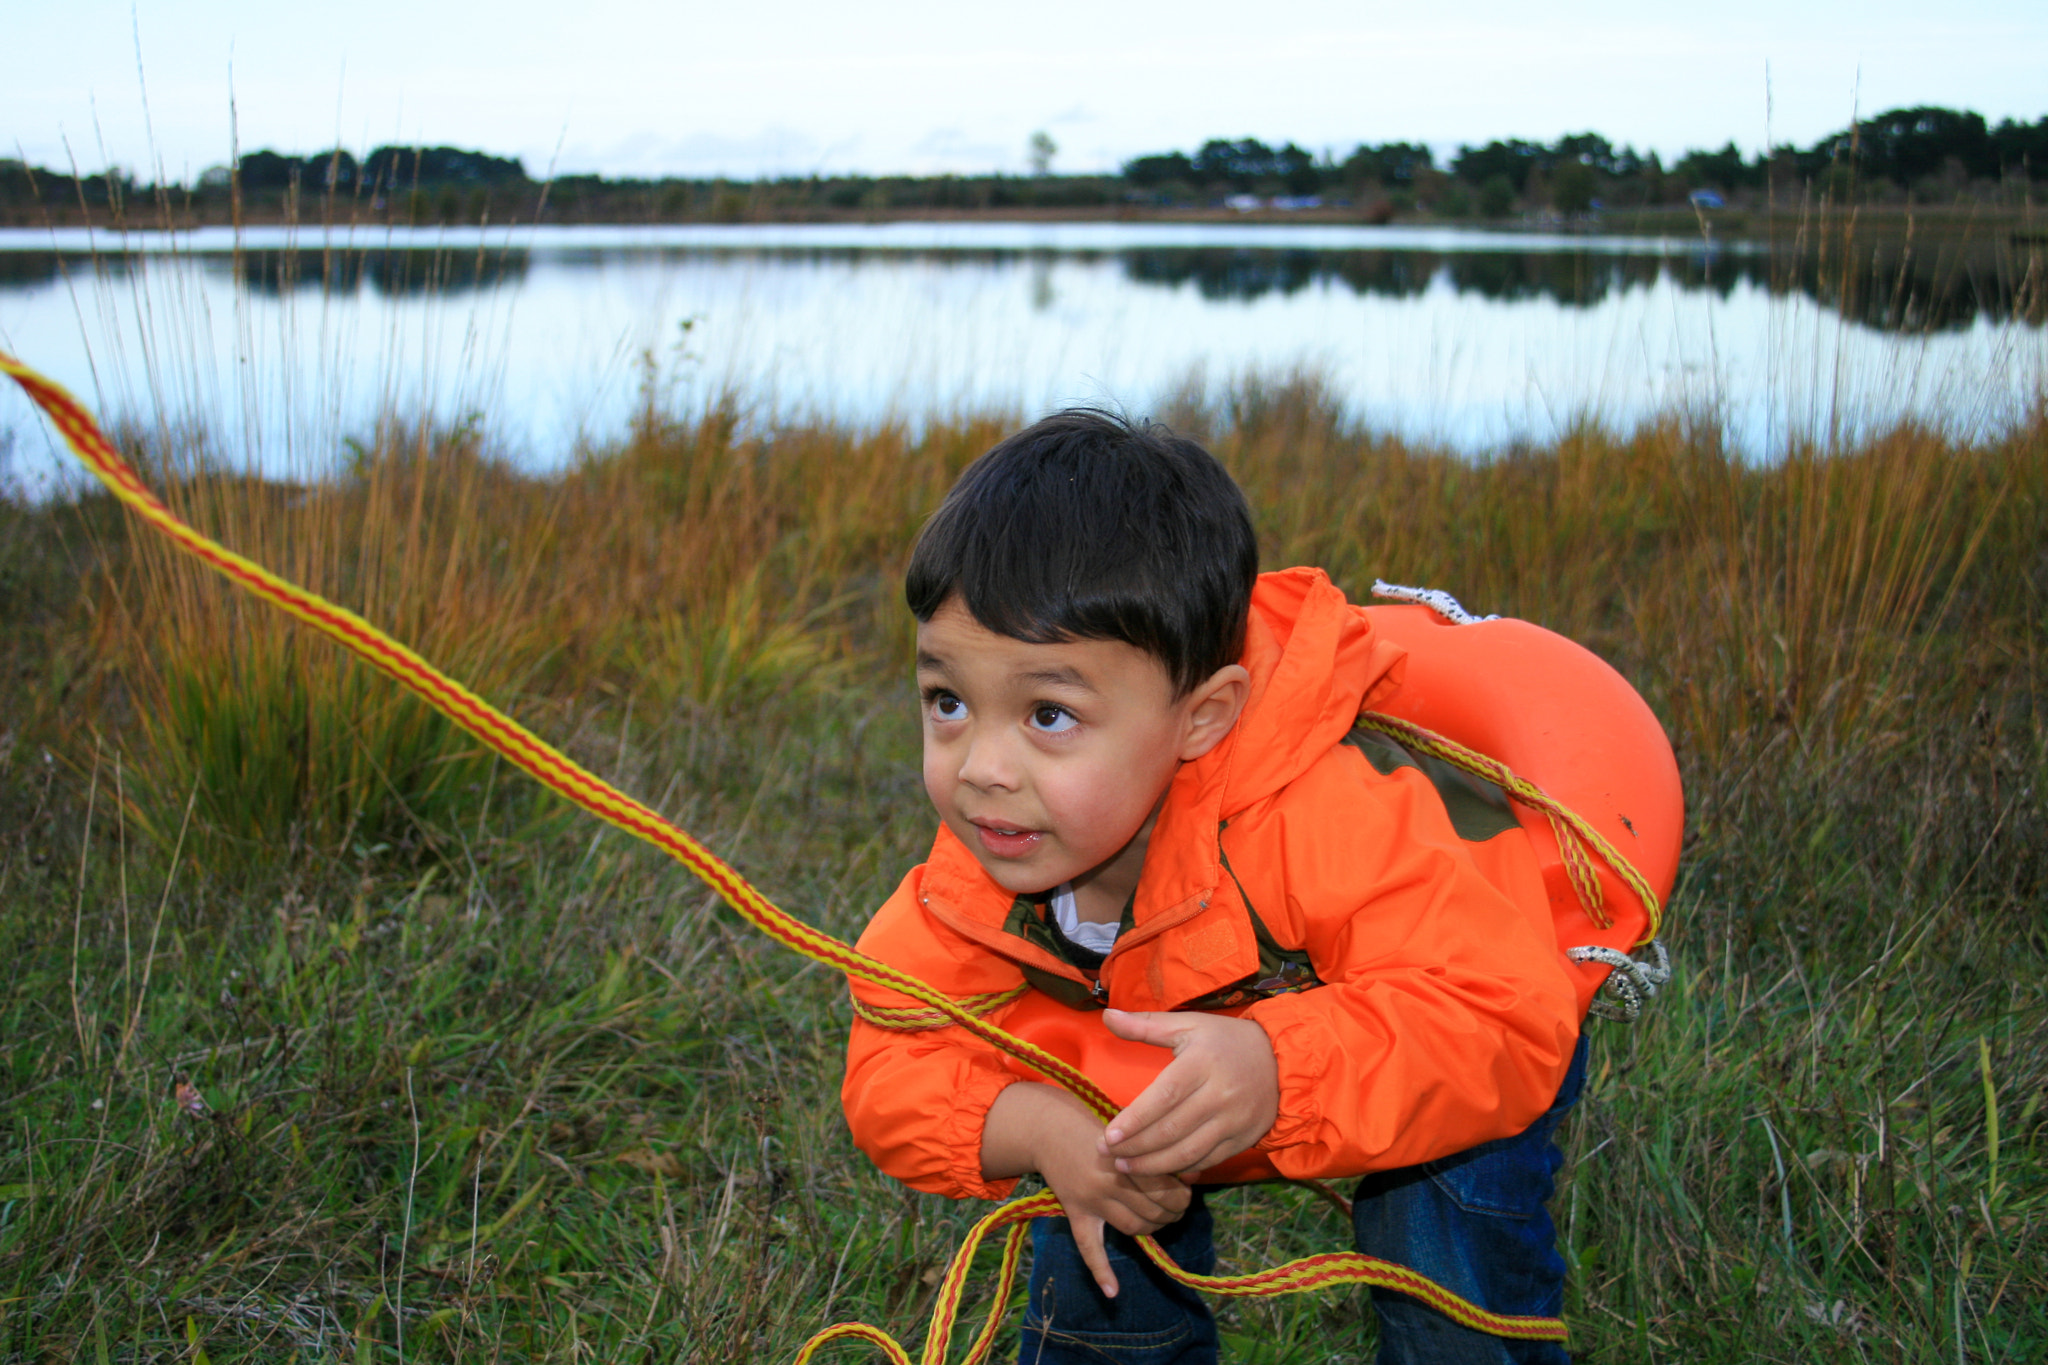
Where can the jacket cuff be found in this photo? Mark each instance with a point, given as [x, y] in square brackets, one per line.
[962, 1130]
[1302, 1051]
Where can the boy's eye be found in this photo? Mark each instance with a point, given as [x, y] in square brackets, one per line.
[946, 706]
[1052, 720]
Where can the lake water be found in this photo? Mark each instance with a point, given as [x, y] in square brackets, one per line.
[1464, 338]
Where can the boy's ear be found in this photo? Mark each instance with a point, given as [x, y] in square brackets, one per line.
[1213, 707]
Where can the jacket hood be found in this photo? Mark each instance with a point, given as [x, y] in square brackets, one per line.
[1315, 661]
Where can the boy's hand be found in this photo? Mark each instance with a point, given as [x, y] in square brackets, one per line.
[1218, 1095]
[1042, 1128]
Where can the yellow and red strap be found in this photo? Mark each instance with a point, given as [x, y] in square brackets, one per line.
[560, 774]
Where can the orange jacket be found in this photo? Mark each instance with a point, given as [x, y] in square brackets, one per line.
[1446, 1017]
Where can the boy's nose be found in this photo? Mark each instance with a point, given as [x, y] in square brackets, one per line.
[987, 765]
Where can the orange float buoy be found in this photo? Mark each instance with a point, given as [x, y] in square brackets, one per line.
[1556, 722]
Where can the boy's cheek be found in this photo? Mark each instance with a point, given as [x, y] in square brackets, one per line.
[937, 788]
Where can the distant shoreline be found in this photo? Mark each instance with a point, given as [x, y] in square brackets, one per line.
[2024, 227]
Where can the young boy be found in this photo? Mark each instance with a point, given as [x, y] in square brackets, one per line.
[1137, 748]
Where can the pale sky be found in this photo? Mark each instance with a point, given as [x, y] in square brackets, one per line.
[894, 85]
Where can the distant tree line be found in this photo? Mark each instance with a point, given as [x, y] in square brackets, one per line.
[386, 169]
[1249, 166]
[1916, 155]
[1924, 152]
[431, 185]
[435, 184]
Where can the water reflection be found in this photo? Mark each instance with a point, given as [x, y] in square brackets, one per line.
[1892, 286]
[19, 269]
[1889, 289]
[396, 273]
[276, 274]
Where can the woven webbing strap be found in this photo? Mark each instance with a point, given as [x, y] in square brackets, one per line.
[913, 1019]
[1577, 840]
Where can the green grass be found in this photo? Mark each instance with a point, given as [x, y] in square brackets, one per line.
[481, 1081]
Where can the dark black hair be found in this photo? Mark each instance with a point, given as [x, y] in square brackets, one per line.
[1085, 525]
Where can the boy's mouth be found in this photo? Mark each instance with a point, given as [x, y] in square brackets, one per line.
[1006, 843]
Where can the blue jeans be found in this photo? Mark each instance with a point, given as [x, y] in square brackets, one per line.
[1475, 1222]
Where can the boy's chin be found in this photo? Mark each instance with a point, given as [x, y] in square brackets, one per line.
[1019, 881]
[1019, 877]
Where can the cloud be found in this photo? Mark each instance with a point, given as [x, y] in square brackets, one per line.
[953, 149]
[770, 151]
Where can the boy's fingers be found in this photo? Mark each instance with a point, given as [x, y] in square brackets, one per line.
[1088, 1238]
[1160, 1029]
[1173, 1195]
[1204, 1147]
[1158, 1212]
[1168, 1091]
[1212, 1139]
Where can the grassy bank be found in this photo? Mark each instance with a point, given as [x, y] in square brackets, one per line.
[327, 1039]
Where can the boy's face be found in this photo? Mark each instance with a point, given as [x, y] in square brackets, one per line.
[1049, 761]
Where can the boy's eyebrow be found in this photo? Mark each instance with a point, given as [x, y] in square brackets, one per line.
[1061, 676]
[1058, 677]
